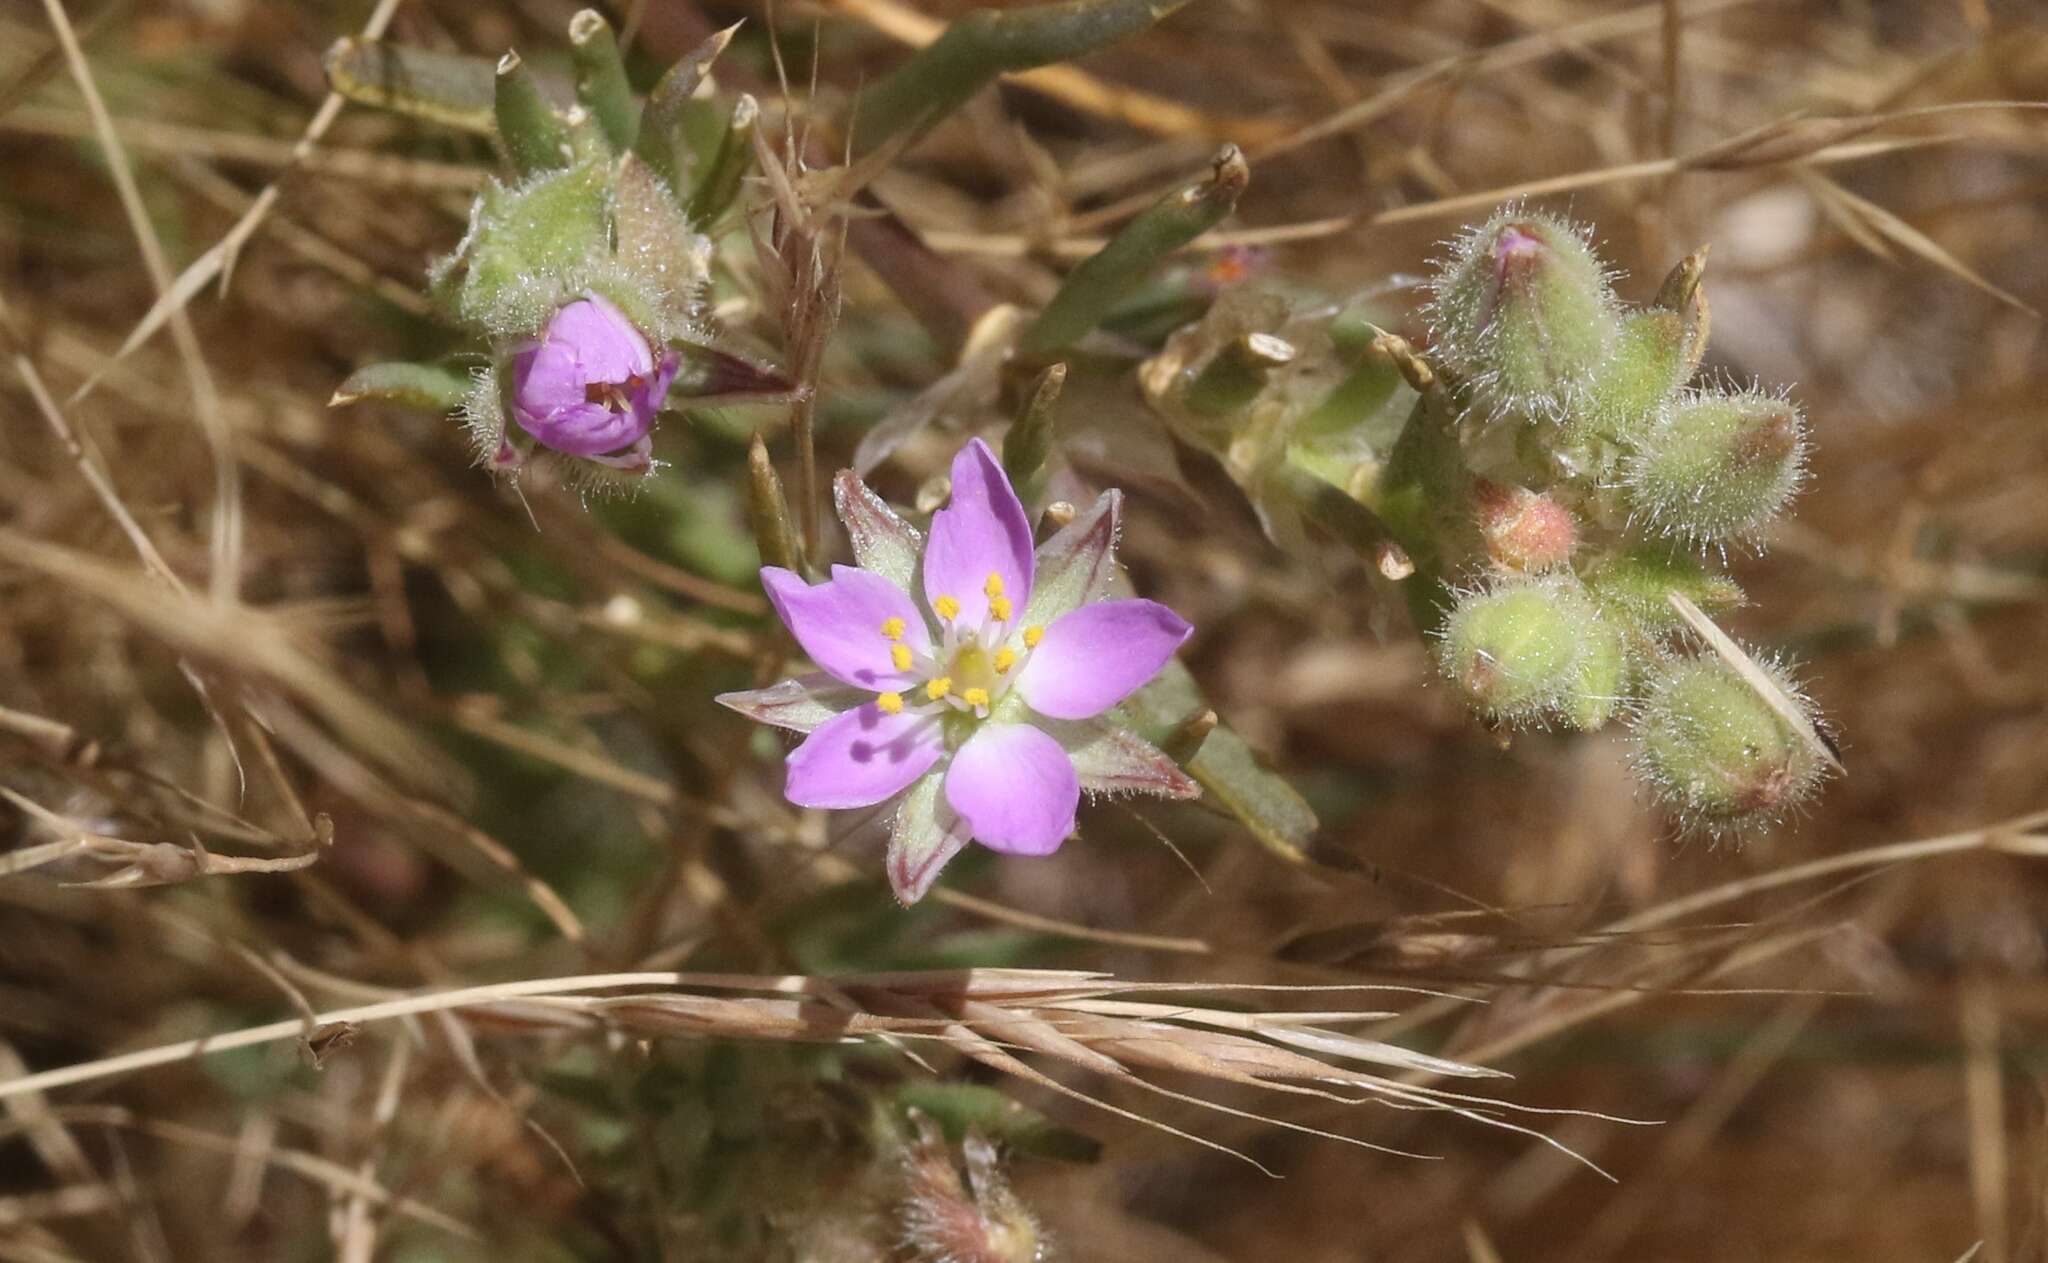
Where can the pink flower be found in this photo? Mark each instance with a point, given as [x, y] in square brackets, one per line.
[974, 689]
[591, 386]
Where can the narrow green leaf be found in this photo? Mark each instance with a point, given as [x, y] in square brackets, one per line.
[971, 52]
[534, 136]
[1229, 773]
[1119, 268]
[437, 387]
[444, 88]
[601, 78]
[960, 1108]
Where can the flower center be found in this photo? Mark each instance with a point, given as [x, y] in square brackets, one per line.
[970, 670]
[614, 395]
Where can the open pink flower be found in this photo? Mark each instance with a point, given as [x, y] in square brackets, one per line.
[968, 677]
[591, 386]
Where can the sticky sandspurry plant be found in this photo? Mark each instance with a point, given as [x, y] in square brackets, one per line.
[1538, 470]
[968, 680]
[583, 277]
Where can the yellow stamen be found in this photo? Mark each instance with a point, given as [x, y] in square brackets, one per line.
[994, 586]
[1005, 659]
[946, 607]
[974, 697]
[1000, 607]
[893, 628]
[1032, 635]
[900, 656]
[890, 703]
[936, 689]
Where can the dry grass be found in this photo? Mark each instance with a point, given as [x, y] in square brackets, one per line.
[375, 826]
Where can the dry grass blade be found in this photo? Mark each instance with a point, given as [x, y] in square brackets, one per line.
[243, 641]
[1886, 225]
[1724, 646]
[979, 1012]
[219, 259]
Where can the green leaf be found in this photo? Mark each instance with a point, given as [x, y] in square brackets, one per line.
[960, 1108]
[454, 91]
[1278, 817]
[1106, 277]
[436, 387]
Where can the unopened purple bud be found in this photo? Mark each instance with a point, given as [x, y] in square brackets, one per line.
[592, 385]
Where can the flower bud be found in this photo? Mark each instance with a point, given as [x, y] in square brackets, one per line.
[1716, 751]
[592, 385]
[1718, 466]
[1519, 650]
[1523, 530]
[1524, 308]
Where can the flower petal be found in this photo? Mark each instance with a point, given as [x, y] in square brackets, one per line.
[800, 705]
[606, 344]
[861, 757]
[882, 541]
[925, 835]
[981, 531]
[1098, 655]
[1078, 564]
[1111, 759]
[1016, 788]
[839, 623]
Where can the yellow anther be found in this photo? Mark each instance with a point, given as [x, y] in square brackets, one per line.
[994, 586]
[900, 656]
[1005, 659]
[893, 628]
[1000, 607]
[1032, 635]
[890, 703]
[974, 697]
[936, 689]
[946, 607]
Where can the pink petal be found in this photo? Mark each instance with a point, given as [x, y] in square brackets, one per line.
[981, 531]
[861, 758]
[1098, 655]
[607, 344]
[839, 623]
[1016, 788]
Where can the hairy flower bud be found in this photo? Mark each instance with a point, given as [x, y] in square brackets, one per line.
[1523, 530]
[591, 386]
[1520, 651]
[1524, 308]
[1718, 466]
[1718, 754]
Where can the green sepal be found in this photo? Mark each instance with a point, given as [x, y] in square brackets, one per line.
[528, 247]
